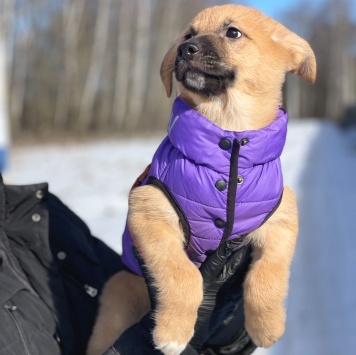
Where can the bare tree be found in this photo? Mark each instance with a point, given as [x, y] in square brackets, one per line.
[72, 15]
[123, 55]
[166, 18]
[23, 44]
[331, 32]
[338, 78]
[138, 84]
[96, 64]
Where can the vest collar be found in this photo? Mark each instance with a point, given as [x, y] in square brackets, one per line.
[198, 139]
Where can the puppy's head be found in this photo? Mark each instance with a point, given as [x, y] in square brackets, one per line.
[233, 47]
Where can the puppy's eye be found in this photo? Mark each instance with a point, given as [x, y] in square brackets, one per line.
[233, 32]
[188, 36]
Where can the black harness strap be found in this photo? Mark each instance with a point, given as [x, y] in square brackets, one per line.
[182, 217]
[273, 210]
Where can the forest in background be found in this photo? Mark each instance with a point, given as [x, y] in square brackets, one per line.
[84, 66]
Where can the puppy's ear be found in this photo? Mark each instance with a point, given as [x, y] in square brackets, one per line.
[167, 68]
[301, 58]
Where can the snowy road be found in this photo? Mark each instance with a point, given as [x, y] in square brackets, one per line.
[319, 163]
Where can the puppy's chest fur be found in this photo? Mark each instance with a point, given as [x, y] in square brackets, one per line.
[222, 184]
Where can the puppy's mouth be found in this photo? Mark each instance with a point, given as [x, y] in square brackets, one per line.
[200, 69]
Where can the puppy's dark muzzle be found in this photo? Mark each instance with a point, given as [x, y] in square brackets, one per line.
[200, 66]
[186, 51]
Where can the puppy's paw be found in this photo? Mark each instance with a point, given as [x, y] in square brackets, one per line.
[173, 348]
[267, 328]
[172, 340]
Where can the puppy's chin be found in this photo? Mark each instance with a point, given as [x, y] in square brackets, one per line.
[203, 83]
[194, 81]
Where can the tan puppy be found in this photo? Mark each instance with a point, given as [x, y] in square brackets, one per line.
[232, 82]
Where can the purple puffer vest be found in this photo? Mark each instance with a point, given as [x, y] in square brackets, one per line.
[223, 184]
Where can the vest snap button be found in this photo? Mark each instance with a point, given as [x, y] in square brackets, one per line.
[220, 185]
[225, 144]
[39, 194]
[61, 255]
[219, 223]
[244, 141]
[240, 179]
[36, 217]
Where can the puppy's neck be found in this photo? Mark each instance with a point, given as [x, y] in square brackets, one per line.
[236, 111]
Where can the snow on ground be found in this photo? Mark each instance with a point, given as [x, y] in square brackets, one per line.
[319, 163]
[92, 178]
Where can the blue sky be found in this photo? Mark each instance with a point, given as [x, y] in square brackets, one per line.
[274, 8]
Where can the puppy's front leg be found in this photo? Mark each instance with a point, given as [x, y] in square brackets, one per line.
[266, 284]
[154, 226]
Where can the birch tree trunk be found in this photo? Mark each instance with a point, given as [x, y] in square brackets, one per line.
[139, 66]
[123, 55]
[96, 64]
[9, 13]
[338, 77]
[168, 25]
[72, 15]
[21, 66]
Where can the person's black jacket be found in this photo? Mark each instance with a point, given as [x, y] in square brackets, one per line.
[51, 274]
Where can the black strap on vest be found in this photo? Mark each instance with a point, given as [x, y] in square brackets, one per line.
[231, 190]
[182, 217]
[231, 195]
[273, 210]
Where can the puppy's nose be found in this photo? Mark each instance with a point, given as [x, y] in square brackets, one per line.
[187, 51]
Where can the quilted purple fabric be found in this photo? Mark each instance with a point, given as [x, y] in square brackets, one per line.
[194, 162]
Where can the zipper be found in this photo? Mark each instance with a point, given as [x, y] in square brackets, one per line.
[18, 274]
[12, 309]
[89, 290]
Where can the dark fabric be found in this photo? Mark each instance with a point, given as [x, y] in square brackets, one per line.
[51, 273]
[220, 326]
[87, 266]
[138, 340]
[27, 325]
[223, 273]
